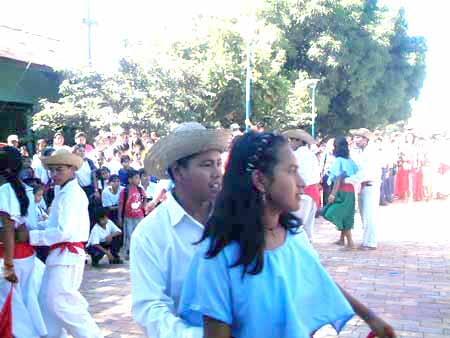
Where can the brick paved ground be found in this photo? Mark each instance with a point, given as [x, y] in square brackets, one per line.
[407, 280]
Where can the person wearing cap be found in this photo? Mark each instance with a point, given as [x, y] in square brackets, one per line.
[80, 138]
[67, 228]
[163, 244]
[309, 171]
[369, 164]
[13, 141]
[58, 141]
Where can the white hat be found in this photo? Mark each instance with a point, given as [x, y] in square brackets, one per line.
[63, 157]
[186, 139]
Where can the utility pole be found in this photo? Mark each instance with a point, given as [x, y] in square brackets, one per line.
[89, 23]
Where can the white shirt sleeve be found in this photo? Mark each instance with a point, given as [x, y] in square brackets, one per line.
[94, 237]
[112, 228]
[67, 223]
[106, 201]
[152, 308]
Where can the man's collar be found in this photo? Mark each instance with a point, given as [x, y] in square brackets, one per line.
[176, 211]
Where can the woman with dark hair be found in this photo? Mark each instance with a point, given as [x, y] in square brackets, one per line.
[20, 266]
[255, 273]
[340, 208]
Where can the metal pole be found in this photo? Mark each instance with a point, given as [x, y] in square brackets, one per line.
[313, 110]
[248, 85]
[89, 23]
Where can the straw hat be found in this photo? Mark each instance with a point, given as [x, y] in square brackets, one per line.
[362, 132]
[63, 157]
[299, 134]
[187, 139]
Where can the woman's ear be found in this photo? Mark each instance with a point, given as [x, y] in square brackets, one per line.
[259, 180]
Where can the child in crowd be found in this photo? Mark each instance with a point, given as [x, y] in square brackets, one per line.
[148, 184]
[123, 173]
[132, 204]
[114, 164]
[42, 217]
[41, 206]
[104, 239]
[102, 178]
[110, 197]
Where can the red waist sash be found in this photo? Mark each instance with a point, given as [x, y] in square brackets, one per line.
[21, 250]
[345, 187]
[71, 246]
[313, 192]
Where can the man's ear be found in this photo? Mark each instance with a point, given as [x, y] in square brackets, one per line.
[259, 180]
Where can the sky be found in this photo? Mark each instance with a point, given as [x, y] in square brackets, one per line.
[145, 20]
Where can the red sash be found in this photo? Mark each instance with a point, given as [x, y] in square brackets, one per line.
[71, 246]
[313, 192]
[21, 250]
[345, 187]
[6, 317]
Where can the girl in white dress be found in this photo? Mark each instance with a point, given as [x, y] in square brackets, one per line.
[21, 269]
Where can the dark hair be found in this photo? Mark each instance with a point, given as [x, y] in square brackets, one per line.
[142, 172]
[48, 151]
[10, 166]
[131, 173]
[124, 158]
[238, 210]
[79, 146]
[182, 162]
[117, 150]
[37, 185]
[341, 147]
[113, 177]
[99, 213]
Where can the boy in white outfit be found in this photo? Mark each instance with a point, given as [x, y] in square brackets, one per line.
[65, 309]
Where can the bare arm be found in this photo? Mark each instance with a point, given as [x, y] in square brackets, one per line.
[9, 243]
[377, 325]
[336, 185]
[215, 329]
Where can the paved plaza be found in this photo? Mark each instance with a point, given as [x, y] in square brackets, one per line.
[406, 281]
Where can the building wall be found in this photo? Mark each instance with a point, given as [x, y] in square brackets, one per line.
[21, 88]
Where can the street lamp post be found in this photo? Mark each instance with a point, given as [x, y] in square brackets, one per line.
[313, 118]
[313, 83]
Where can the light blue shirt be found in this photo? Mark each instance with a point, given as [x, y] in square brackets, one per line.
[291, 297]
[345, 166]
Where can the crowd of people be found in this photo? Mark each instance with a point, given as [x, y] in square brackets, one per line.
[206, 218]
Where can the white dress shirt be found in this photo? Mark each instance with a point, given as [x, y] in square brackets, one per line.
[308, 165]
[84, 174]
[369, 162]
[68, 222]
[161, 251]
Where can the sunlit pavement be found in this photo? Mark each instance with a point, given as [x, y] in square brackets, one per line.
[406, 280]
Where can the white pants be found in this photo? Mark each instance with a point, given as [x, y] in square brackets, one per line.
[63, 306]
[369, 199]
[307, 213]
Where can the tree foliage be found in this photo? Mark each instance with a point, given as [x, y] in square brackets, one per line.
[369, 70]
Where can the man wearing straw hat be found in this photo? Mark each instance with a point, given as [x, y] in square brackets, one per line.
[162, 245]
[309, 171]
[64, 308]
[369, 176]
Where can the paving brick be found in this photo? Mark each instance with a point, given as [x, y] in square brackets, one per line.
[406, 281]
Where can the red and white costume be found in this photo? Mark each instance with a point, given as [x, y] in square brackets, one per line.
[27, 319]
